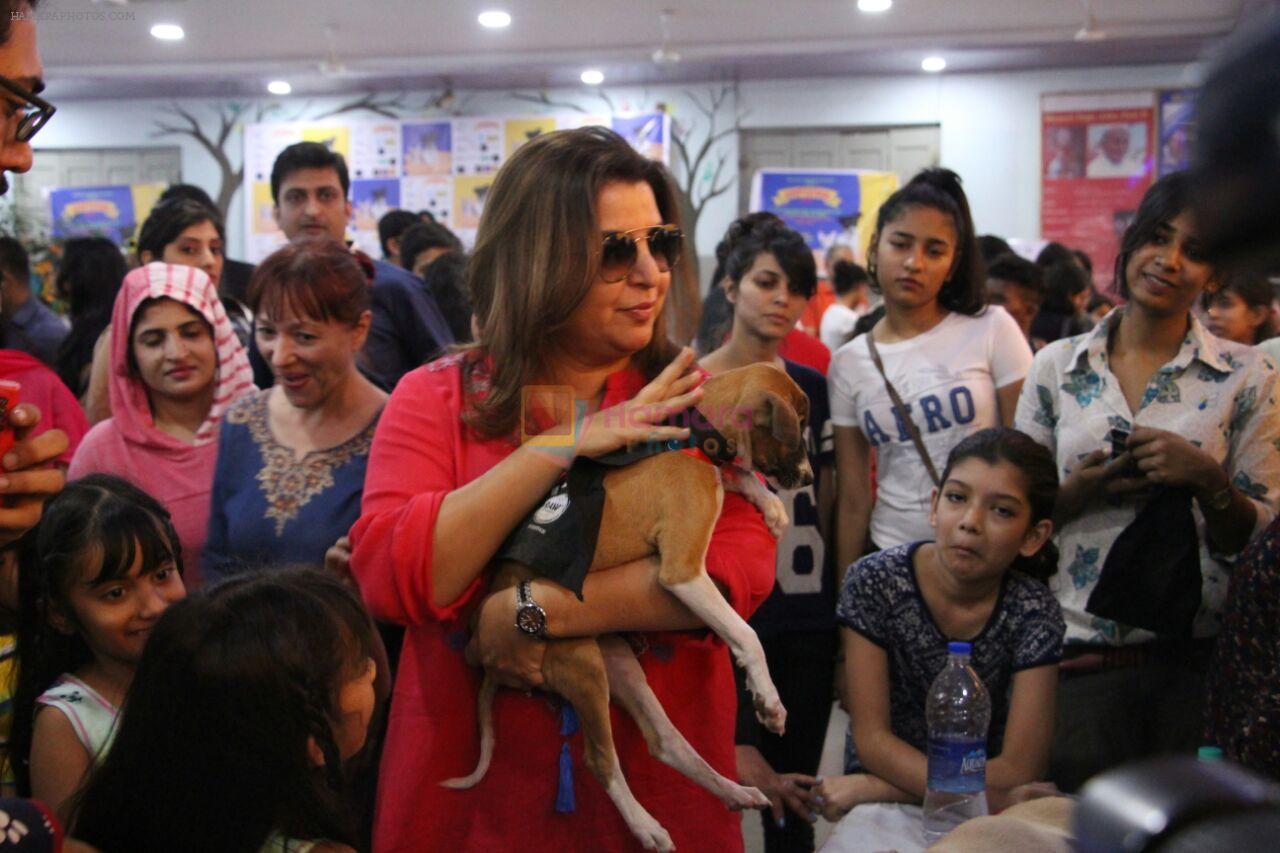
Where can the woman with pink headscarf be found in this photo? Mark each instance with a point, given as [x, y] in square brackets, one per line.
[176, 366]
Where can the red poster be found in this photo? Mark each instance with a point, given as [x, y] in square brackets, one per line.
[1096, 162]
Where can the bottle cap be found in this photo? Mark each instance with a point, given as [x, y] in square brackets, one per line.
[1209, 753]
[957, 648]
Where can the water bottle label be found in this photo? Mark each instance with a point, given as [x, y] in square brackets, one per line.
[957, 766]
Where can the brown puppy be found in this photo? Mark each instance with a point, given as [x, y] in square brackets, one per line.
[668, 505]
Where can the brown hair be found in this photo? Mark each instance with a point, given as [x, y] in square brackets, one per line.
[316, 278]
[537, 253]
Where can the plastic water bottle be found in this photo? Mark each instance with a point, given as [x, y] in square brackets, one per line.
[959, 714]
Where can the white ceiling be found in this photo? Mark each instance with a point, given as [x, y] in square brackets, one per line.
[233, 47]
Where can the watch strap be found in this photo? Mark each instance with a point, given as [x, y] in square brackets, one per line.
[1221, 499]
[531, 619]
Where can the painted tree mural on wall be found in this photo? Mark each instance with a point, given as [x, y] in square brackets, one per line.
[703, 126]
[702, 167]
[228, 118]
[223, 139]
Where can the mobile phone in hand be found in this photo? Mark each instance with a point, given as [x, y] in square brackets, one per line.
[10, 396]
[1119, 438]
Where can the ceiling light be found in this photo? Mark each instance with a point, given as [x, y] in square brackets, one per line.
[167, 32]
[873, 6]
[592, 77]
[494, 19]
[279, 87]
[933, 63]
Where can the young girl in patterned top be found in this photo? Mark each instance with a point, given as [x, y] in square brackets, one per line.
[249, 703]
[95, 576]
[980, 582]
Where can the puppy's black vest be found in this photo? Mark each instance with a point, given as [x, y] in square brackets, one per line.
[558, 539]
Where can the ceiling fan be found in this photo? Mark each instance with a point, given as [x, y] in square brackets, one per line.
[665, 54]
[331, 65]
[1090, 31]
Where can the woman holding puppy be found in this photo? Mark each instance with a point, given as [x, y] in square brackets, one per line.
[577, 249]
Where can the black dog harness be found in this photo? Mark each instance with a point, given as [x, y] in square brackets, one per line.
[558, 539]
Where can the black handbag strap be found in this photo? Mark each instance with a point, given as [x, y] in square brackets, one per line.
[903, 412]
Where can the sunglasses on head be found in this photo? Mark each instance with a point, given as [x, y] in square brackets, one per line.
[36, 111]
[621, 250]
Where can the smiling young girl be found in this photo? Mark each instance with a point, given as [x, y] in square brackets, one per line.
[282, 668]
[176, 366]
[973, 582]
[1183, 410]
[956, 366]
[94, 578]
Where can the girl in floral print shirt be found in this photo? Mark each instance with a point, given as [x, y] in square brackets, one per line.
[1200, 414]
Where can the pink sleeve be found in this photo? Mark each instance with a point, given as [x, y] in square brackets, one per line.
[412, 467]
[92, 451]
[68, 417]
[742, 554]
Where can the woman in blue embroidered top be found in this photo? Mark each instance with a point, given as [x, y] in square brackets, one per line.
[291, 459]
[1190, 418]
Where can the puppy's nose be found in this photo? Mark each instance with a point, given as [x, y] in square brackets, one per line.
[806, 474]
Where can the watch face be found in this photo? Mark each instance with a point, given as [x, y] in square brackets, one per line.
[531, 619]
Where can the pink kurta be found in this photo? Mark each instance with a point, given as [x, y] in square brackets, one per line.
[178, 474]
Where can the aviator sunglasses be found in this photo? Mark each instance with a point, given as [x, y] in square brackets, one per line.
[621, 250]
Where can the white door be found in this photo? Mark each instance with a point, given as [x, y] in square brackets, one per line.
[903, 150]
[912, 149]
[867, 149]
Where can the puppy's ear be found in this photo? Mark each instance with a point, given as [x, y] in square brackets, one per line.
[780, 417]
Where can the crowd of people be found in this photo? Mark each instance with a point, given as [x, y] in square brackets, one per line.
[249, 514]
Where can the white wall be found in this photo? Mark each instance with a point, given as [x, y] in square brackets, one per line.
[990, 123]
[990, 131]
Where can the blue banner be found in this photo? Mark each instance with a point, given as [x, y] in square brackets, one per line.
[87, 211]
[827, 206]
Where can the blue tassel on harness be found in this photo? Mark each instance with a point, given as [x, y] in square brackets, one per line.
[564, 793]
[568, 720]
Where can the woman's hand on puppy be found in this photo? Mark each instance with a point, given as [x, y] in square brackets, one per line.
[642, 418]
[514, 658]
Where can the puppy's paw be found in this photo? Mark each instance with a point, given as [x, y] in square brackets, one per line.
[775, 515]
[746, 798]
[770, 713]
[655, 838]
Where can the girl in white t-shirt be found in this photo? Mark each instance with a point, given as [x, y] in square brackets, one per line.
[956, 365]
